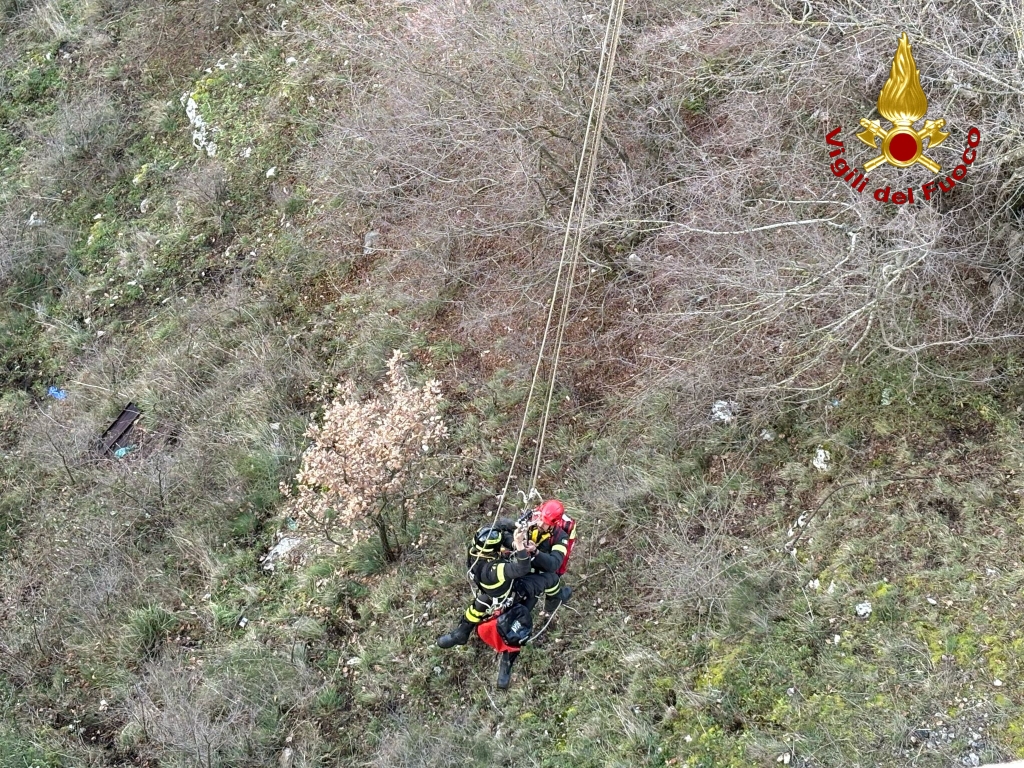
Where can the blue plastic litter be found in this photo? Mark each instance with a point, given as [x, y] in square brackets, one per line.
[56, 394]
[120, 453]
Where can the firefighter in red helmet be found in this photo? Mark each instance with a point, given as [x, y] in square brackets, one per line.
[552, 536]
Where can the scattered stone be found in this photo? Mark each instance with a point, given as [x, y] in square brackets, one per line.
[199, 126]
[822, 459]
[863, 610]
[767, 435]
[997, 683]
[370, 242]
[723, 411]
[272, 172]
[282, 548]
[35, 220]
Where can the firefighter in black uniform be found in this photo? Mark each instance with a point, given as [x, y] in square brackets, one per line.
[548, 542]
[493, 574]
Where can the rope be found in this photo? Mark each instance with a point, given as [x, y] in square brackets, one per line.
[577, 212]
[573, 208]
[540, 632]
[616, 11]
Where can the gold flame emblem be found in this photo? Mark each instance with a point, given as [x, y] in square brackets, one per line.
[902, 102]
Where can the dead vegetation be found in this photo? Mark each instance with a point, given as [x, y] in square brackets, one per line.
[429, 155]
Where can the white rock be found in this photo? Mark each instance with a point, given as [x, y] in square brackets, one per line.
[997, 683]
[370, 242]
[272, 172]
[291, 60]
[723, 411]
[814, 584]
[822, 458]
[35, 220]
[767, 435]
[199, 126]
[864, 610]
[282, 548]
[104, 705]
[836, 639]
[932, 601]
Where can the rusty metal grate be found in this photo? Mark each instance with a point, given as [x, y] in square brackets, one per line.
[118, 434]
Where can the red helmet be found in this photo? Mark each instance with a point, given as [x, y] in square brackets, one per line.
[550, 512]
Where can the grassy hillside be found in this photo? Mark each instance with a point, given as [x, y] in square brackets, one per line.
[220, 211]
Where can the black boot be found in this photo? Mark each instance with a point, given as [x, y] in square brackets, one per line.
[553, 601]
[505, 669]
[458, 636]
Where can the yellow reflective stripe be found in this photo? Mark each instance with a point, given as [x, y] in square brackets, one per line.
[560, 548]
[500, 573]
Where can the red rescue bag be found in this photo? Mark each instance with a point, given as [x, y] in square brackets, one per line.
[507, 630]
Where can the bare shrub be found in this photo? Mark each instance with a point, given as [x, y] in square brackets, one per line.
[80, 147]
[409, 745]
[220, 713]
[688, 565]
[767, 275]
[366, 459]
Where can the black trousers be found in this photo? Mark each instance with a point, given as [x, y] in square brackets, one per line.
[530, 588]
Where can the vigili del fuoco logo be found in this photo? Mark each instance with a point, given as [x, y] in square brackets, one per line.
[902, 102]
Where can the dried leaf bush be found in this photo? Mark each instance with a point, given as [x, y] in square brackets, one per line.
[365, 465]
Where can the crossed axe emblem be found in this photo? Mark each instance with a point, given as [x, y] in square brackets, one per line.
[902, 146]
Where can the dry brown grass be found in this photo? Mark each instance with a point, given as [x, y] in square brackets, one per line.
[724, 258]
